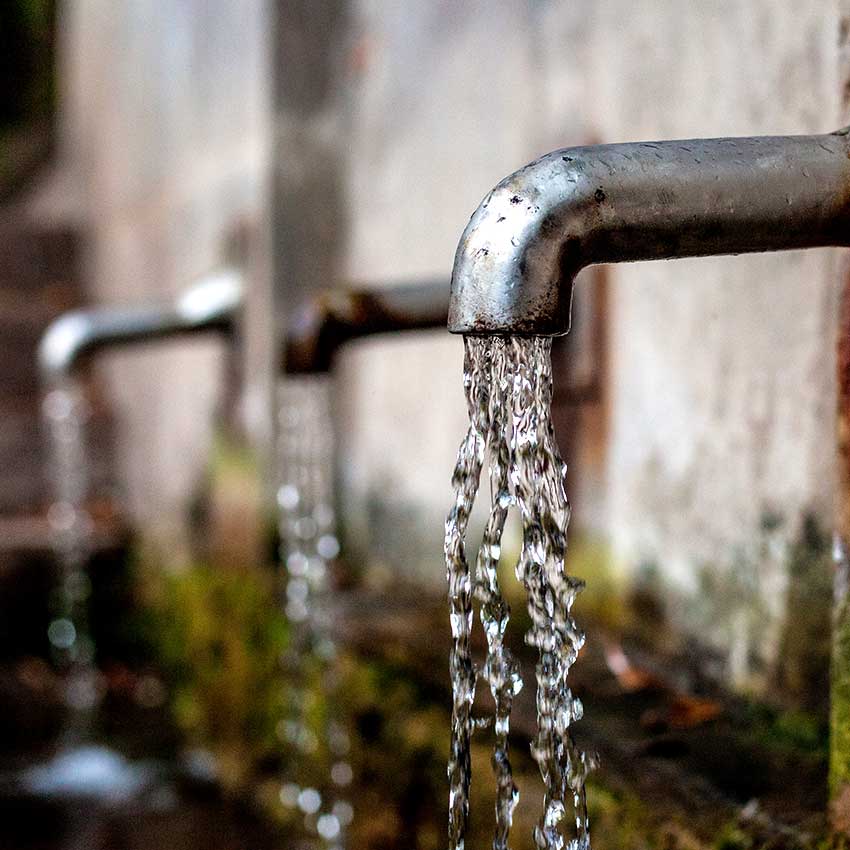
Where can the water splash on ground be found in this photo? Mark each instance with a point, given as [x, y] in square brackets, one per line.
[508, 384]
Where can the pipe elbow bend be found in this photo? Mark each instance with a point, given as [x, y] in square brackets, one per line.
[523, 246]
[521, 250]
[62, 345]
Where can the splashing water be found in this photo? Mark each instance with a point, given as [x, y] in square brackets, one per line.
[508, 385]
[65, 413]
[308, 545]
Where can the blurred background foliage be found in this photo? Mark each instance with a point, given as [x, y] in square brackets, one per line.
[220, 636]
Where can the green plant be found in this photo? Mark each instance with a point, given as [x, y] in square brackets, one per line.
[219, 635]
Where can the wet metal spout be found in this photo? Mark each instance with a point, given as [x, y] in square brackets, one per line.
[524, 245]
[331, 318]
[210, 305]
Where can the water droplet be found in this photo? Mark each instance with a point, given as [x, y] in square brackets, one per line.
[328, 546]
[328, 826]
[341, 773]
[58, 405]
[287, 497]
[296, 563]
[289, 794]
[344, 812]
[309, 801]
[62, 633]
[297, 590]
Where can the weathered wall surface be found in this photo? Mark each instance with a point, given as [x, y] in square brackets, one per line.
[721, 370]
[164, 142]
[715, 437]
[443, 105]
[719, 395]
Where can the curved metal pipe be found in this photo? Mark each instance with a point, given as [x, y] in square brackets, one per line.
[210, 305]
[331, 318]
[524, 245]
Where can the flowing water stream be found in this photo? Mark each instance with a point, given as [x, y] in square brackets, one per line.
[508, 385]
[308, 546]
[65, 413]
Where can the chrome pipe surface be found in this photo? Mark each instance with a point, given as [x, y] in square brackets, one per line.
[211, 305]
[519, 255]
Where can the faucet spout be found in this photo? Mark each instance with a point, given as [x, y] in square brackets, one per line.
[519, 255]
[321, 325]
[212, 304]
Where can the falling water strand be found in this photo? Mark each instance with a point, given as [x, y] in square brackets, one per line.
[500, 669]
[477, 361]
[508, 383]
[537, 478]
[308, 545]
[65, 414]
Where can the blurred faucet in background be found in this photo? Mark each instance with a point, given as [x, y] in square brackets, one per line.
[211, 305]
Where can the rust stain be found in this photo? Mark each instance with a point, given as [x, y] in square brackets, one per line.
[839, 810]
[843, 410]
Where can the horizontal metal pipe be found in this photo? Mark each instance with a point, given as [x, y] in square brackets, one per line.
[524, 245]
[331, 318]
[211, 305]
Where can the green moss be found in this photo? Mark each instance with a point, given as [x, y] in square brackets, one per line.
[219, 636]
[231, 521]
[785, 732]
[620, 819]
[604, 598]
[798, 731]
[803, 669]
[732, 837]
[839, 772]
[232, 456]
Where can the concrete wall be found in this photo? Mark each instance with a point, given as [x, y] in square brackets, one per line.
[721, 370]
[164, 149]
[441, 110]
[719, 396]
[715, 437]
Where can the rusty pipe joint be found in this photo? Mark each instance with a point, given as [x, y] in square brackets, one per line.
[320, 326]
[519, 255]
[211, 305]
